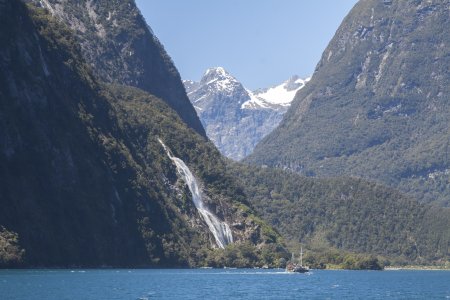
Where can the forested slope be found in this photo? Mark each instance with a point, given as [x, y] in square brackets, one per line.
[349, 214]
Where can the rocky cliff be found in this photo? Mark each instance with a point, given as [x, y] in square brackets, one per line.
[121, 48]
[377, 106]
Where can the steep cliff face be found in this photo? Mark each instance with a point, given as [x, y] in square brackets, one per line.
[84, 180]
[378, 103]
[235, 118]
[121, 48]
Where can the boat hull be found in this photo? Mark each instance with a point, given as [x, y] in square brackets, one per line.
[294, 268]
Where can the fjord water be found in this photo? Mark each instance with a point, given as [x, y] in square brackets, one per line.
[222, 284]
[220, 230]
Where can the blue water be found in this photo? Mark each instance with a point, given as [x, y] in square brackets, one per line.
[222, 284]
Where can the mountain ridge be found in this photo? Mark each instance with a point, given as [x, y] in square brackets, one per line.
[234, 117]
[377, 104]
[124, 50]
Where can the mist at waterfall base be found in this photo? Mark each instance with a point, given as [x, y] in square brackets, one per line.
[222, 284]
[220, 230]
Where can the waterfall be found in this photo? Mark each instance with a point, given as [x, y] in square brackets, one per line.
[220, 230]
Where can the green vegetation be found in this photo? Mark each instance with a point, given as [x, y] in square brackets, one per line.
[339, 259]
[244, 255]
[145, 119]
[85, 181]
[348, 214]
[378, 104]
[10, 253]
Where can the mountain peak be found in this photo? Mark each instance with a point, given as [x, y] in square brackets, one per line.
[218, 71]
[217, 79]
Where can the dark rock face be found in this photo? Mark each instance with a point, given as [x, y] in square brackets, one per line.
[235, 119]
[378, 103]
[84, 180]
[121, 48]
[56, 191]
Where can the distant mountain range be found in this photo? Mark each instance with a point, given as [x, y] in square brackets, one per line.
[234, 117]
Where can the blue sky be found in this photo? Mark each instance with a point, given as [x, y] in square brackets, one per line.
[260, 42]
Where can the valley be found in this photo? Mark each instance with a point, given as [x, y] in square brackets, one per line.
[109, 159]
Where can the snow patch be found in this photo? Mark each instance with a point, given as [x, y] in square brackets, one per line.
[199, 99]
[217, 70]
[198, 108]
[280, 95]
[219, 80]
[254, 102]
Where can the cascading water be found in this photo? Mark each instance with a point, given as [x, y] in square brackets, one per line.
[220, 230]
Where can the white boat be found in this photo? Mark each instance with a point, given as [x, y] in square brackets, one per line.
[293, 267]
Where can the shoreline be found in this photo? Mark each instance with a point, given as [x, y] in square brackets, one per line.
[78, 268]
[416, 268]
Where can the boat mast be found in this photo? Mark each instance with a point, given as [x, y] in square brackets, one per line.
[301, 256]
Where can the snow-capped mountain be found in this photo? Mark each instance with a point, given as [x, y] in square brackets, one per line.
[216, 86]
[235, 118]
[276, 97]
